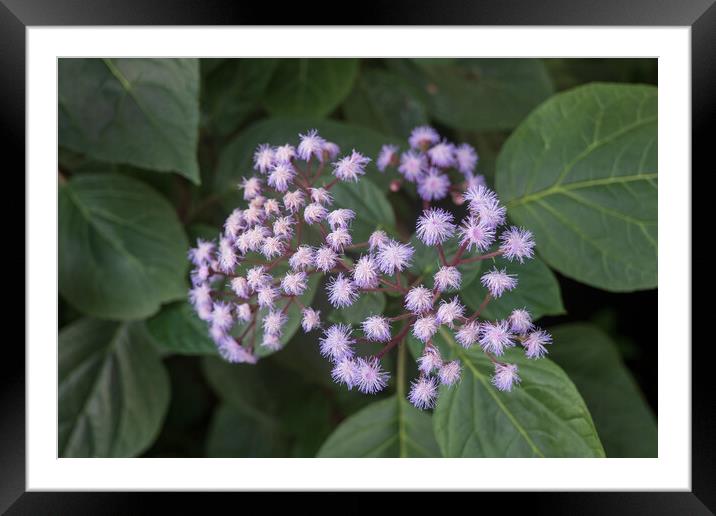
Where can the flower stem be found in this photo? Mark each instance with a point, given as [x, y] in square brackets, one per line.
[481, 257]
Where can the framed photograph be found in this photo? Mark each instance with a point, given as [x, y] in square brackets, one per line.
[386, 257]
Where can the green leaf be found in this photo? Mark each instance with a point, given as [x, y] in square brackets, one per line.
[309, 87]
[372, 209]
[369, 303]
[388, 428]
[386, 102]
[581, 173]
[177, 329]
[479, 94]
[122, 248]
[144, 112]
[236, 158]
[537, 290]
[234, 432]
[625, 422]
[542, 417]
[232, 90]
[113, 390]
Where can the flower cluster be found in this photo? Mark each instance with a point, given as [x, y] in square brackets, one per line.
[245, 282]
[428, 164]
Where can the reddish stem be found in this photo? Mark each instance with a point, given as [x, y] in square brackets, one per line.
[395, 340]
[481, 257]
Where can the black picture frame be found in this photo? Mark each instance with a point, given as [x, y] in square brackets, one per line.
[17, 15]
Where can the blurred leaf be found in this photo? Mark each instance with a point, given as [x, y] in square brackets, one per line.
[370, 204]
[568, 73]
[309, 87]
[537, 290]
[177, 329]
[478, 94]
[234, 432]
[625, 422]
[236, 159]
[122, 248]
[369, 303]
[542, 417]
[386, 102]
[388, 428]
[581, 173]
[144, 112]
[232, 90]
[113, 390]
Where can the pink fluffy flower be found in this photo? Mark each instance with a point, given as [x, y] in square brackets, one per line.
[388, 156]
[310, 319]
[423, 136]
[447, 277]
[434, 185]
[495, 337]
[517, 244]
[376, 328]
[342, 292]
[350, 168]
[423, 392]
[418, 300]
[498, 281]
[370, 376]
[435, 226]
[505, 376]
[337, 342]
[535, 344]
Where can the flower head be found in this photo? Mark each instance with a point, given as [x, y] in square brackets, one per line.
[442, 155]
[284, 153]
[337, 343]
[434, 185]
[350, 168]
[449, 311]
[377, 239]
[535, 344]
[429, 360]
[294, 283]
[271, 342]
[302, 259]
[346, 372]
[376, 328]
[339, 239]
[243, 312]
[394, 256]
[475, 234]
[314, 213]
[412, 165]
[321, 196]
[495, 337]
[388, 156]
[263, 158]
[517, 244]
[425, 327]
[272, 247]
[449, 373]
[273, 322]
[520, 321]
[325, 258]
[370, 378]
[266, 296]
[423, 136]
[466, 158]
[435, 226]
[340, 218]
[251, 187]
[498, 281]
[365, 274]
[203, 252]
[505, 376]
[423, 392]
[419, 299]
[294, 201]
[221, 316]
[468, 334]
[342, 292]
[256, 277]
[234, 352]
[447, 277]
[310, 319]
[311, 145]
[281, 176]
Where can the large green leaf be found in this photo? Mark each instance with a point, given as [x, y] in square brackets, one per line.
[626, 425]
[542, 417]
[373, 211]
[113, 390]
[236, 159]
[479, 94]
[177, 329]
[232, 90]
[537, 290]
[122, 248]
[386, 102]
[144, 112]
[388, 428]
[581, 173]
[309, 87]
[234, 432]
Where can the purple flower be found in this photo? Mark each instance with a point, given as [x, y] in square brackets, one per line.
[388, 156]
[505, 376]
[433, 186]
[331, 150]
[495, 337]
[520, 321]
[200, 295]
[311, 145]
[342, 291]
[370, 378]
[311, 319]
[423, 392]
[449, 311]
[256, 277]
[466, 158]
[234, 223]
[243, 312]
[302, 259]
[377, 239]
[203, 252]
[281, 176]
[446, 278]
[272, 247]
[517, 244]
[346, 371]
[365, 274]
[251, 187]
[263, 158]
[283, 227]
[442, 155]
[429, 360]
[425, 327]
[376, 328]
[221, 316]
[271, 342]
[535, 344]
[227, 257]
[321, 196]
[339, 239]
[418, 300]
[337, 343]
[449, 373]
[294, 201]
[498, 281]
[273, 322]
[266, 296]
[475, 234]
[423, 136]
[412, 165]
[468, 334]
[314, 213]
[393, 256]
[284, 153]
[484, 204]
[294, 283]
[234, 352]
[435, 226]
[350, 168]
[325, 258]
[340, 218]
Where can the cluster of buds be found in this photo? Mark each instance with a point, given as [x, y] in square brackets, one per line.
[428, 164]
[237, 286]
